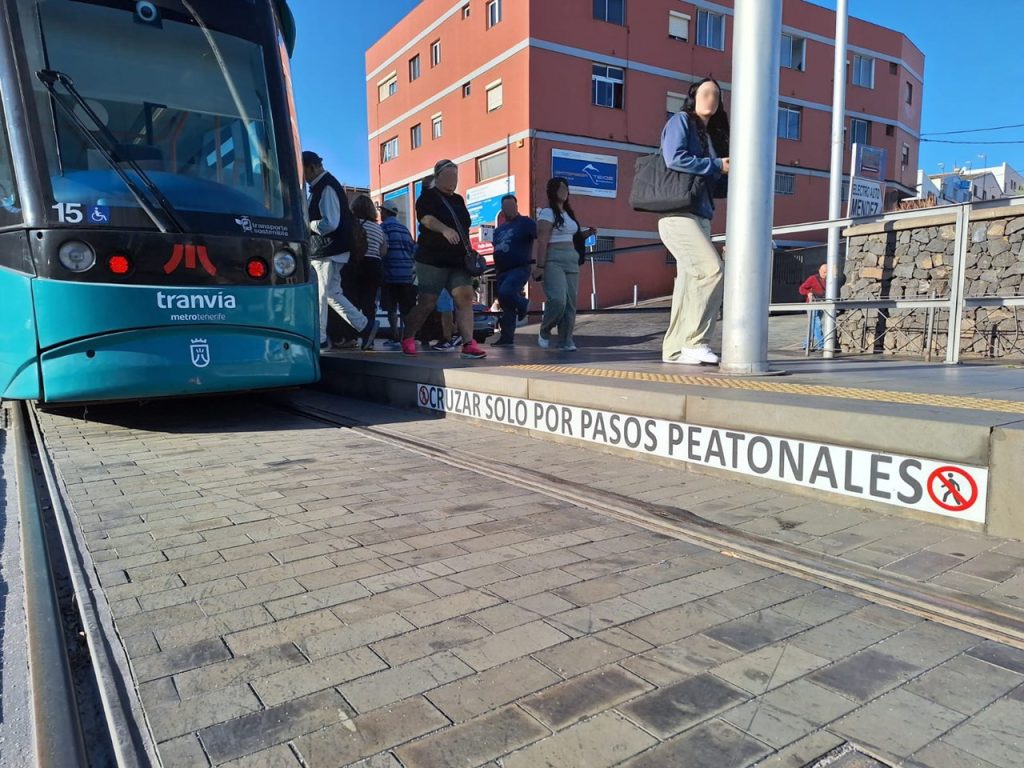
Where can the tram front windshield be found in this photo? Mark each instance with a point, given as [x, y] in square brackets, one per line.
[182, 93]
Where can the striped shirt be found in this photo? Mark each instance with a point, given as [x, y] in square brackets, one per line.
[374, 239]
[399, 265]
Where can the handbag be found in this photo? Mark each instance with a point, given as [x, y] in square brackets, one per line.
[472, 262]
[659, 189]
[579, 242]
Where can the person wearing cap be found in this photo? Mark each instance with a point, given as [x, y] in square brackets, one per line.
[398, 294]
[440, 259]
[331, 225]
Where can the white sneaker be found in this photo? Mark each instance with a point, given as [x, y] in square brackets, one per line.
[701, 355]
[542, 342]
[569, 346]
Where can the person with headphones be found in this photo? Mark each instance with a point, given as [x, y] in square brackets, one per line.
[695, 141]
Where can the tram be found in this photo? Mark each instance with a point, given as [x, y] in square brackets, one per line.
[152, 226]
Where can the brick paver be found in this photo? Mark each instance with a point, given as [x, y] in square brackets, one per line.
[293, 594]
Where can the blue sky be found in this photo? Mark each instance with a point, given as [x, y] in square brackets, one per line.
[974, 69]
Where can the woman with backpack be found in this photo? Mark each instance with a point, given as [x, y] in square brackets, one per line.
[368, 271]
[558, 265]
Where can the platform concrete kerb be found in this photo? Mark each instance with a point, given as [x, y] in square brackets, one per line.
[954, 466]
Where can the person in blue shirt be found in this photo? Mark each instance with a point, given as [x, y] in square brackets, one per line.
[513, 255]
[695, 141]
[398, 292]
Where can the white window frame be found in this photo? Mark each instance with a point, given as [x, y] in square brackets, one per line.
[679, 25]
[909, 90]
[674, 103]
[495, 88]
[708, 18]
[484, 158]
[785, 183]
[416, 136]
[389, 150]
[387, 87]
[467, 89]
[435, 53]
[605, 18]
[493, 13]
[860, 78]
[905, 156]
[787, 111]
[793, 43]
[466, 10]
[436, 126]
[607, 79]
[854, 123]
[415, 68]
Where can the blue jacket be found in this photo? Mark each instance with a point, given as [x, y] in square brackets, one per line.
[399, 266]
[682, 150]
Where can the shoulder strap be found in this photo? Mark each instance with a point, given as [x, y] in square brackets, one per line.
[458, 222]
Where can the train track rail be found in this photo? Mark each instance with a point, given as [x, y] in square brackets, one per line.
[86, 711]
[970, 613]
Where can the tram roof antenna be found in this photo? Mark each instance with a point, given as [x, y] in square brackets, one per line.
[50, 78]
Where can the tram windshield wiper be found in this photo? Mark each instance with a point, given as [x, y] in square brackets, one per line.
[167, 219]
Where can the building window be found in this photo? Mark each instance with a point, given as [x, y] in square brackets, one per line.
[674, 103]
[493, 13]
[864, 71]
[598, 254]
[789, 122]
[435, 53]
[678, 26]
[711, 30]
[894, 68]
[495, 96]
[416, 136]
[860, 132]
[785, 183]
[466, 11]
[466, 90]
[794, 52]
[389, 150]
[414, 68]
[910, 92]
[905, 156]
[387, 87]
[890, 130]
[436, 127]
[608, 86]
[492, 166]
[613, 11]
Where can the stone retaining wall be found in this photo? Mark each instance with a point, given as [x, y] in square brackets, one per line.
[914, 259]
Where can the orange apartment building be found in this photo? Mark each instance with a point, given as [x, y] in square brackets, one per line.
[514, 89]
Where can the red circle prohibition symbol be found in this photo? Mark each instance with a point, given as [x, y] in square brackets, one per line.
[424, 396]
[947, 477]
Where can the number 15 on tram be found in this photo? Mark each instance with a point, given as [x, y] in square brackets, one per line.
[152, 226]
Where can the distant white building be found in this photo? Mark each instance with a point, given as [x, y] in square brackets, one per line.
[966, 184]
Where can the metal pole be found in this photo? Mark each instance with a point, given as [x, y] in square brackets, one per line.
[835, 190]
[757, 43]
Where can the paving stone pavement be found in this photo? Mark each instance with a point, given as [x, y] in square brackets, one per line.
[295, 594]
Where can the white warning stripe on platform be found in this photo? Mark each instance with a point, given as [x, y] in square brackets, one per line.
[939, 487]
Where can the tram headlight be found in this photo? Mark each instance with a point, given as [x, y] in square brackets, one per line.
[77, 256]
[284, 263]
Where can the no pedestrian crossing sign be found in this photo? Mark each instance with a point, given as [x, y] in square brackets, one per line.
[927, 485]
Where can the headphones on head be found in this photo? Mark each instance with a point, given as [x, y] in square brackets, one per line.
[690, 102]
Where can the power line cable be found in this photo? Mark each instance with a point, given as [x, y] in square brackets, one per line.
[973, 130]
[974, 143]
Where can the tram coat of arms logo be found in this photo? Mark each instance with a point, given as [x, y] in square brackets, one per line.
[200, 353]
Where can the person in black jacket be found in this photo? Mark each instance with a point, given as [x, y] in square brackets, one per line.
[331, 223]
[440, 259]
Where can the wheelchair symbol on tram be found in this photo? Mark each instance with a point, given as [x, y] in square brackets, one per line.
[99, 214]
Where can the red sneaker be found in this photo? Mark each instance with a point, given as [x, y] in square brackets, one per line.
[409, 347]
[473, 351]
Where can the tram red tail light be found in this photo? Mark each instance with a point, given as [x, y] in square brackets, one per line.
[119, 264]
[257, 268]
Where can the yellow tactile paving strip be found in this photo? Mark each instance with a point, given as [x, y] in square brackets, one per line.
[787, 388]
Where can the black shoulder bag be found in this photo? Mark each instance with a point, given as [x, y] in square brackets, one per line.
[659, 189]
[472, 261]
